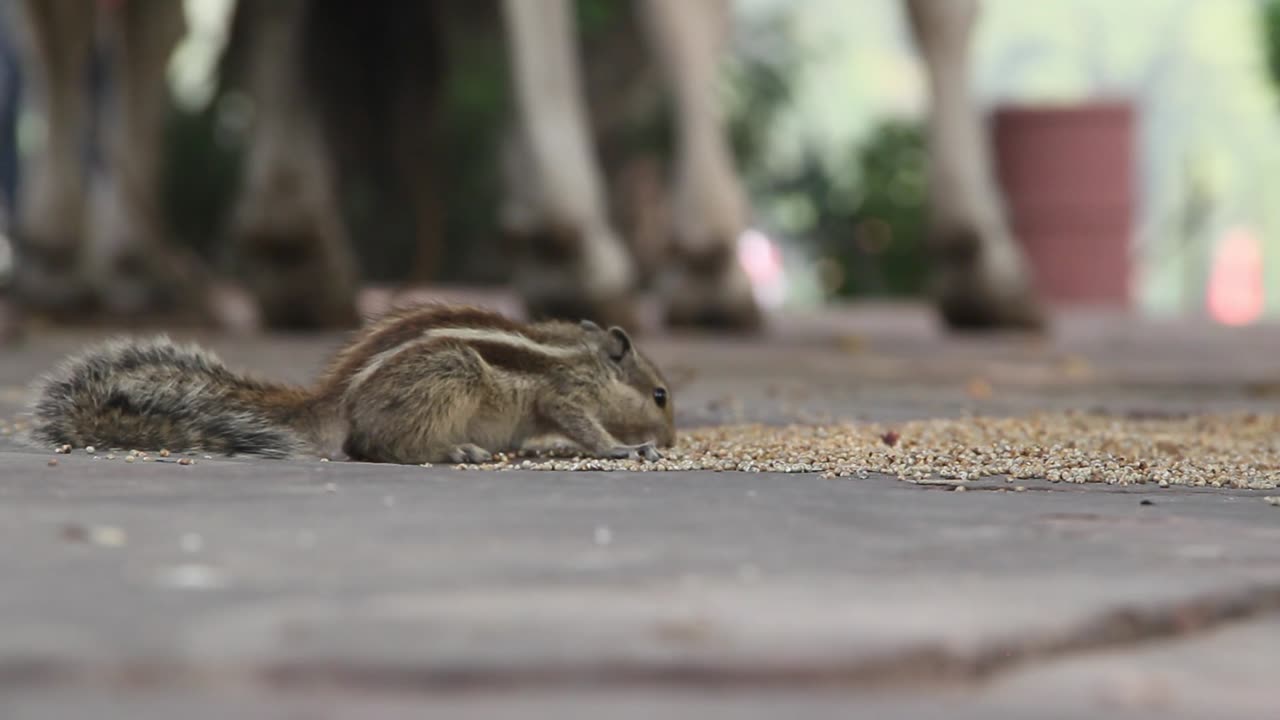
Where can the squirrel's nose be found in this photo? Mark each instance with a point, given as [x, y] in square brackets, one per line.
[668, 438]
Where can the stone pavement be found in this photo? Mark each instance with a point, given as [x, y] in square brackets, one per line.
[246, 588]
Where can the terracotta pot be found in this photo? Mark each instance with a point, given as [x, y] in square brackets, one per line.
[1067, 174]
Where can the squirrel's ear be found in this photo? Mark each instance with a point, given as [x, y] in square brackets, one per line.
[589, 326]
[618, 344]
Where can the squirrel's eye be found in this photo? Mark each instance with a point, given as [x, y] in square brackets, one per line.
[660, 396]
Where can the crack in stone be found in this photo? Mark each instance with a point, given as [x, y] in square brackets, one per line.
[916, 668]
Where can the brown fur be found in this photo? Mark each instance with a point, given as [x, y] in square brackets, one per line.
[432, 383]
[403, 324]
[468, 382]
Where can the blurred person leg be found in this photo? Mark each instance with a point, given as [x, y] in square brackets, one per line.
[709, 208]
[10, 91]
[287, 231]
[568, 260]
[982, 278]
[10, 96]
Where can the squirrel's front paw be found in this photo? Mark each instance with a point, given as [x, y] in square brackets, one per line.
[468, 453]
[644, 451]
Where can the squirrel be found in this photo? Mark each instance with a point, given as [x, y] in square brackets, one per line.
[424, 384]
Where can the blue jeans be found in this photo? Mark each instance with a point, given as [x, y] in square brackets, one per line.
[10, 96]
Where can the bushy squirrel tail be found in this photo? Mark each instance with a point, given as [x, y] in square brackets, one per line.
[155, 394]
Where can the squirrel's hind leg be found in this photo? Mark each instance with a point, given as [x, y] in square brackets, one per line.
[422, 407]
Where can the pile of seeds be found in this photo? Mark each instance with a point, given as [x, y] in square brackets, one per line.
[132, 456]
[1237, 451]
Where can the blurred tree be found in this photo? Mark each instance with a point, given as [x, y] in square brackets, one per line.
[866, 213]
[1270, 14]
[863, 211]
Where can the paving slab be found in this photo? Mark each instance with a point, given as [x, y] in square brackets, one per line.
[397, 580]
[235, 587]
[1229, 672]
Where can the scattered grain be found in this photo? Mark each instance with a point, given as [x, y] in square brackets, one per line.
[1234, 451]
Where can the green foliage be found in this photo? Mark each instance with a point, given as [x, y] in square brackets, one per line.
[888, 231]
[598, 16]
[867, 213]
[761, 88]
[1270, 13]
[864, 212]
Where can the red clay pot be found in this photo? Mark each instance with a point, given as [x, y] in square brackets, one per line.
[1067, 174]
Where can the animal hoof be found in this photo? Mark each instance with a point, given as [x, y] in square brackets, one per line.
[714, 297]
[740, 318]
[300, 276]
[978, 311]
[973, 294]
[469, 454]
[619, 310]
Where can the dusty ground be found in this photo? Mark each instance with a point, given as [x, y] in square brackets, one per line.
[308, 589]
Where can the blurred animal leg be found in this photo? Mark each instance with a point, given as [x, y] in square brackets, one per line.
[709, 209]
[54, 40]
[129, 264]
[287, 231]
[982, 277]
[568, 260]
[416, 135]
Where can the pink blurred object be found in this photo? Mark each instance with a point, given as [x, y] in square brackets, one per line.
[1067, 175]
[761, 259]
[1235, 293]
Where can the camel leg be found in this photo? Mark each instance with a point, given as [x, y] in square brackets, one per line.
[287, 231]
[709, 209]
[568, 260]
[981, 275]
[54, 40]
[132, 268]
[416, 132]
